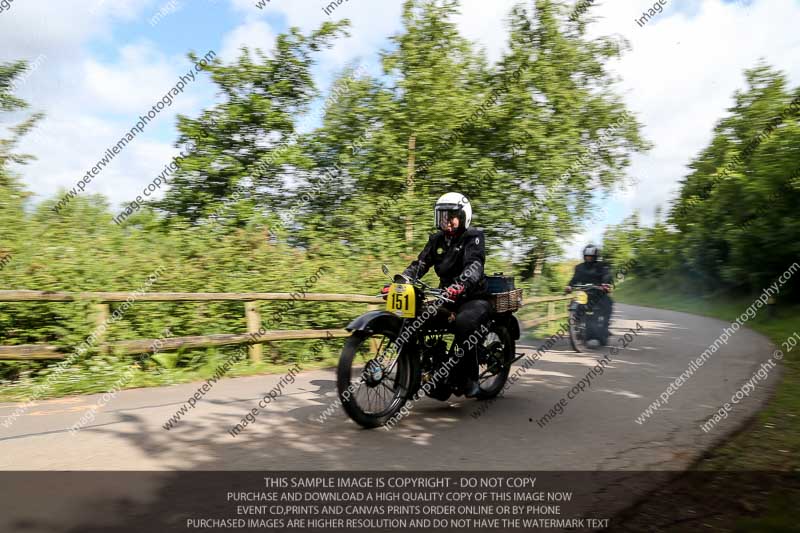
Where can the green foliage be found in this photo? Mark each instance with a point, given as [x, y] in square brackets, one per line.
[507, 135]
[238, 143]
[735, 222]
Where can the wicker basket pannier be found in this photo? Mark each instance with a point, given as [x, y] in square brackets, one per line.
[506, 301]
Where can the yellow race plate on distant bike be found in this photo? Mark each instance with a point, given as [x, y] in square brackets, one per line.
[581, 297]
[401, 300]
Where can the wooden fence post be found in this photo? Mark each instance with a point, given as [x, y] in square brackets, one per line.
[101, 318]
[551, 311]
[255, 351]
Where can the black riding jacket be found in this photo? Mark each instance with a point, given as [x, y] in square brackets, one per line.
[459, 259]
[596, 273]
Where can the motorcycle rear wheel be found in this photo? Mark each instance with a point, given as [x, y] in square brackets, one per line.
[501, 353]
[362, 378]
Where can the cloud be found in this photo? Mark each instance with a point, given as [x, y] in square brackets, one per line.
[371, 25]
[682, 72]
[141, 65]
[486, 23]
[60, 165]
[60, 29]
[252, 34]
[90, 102]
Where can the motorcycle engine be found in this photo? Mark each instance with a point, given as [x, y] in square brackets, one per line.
[434, 354]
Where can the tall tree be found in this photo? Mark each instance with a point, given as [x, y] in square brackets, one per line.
[12, 194]
[247, 142]
[747, 181]
[528, 140]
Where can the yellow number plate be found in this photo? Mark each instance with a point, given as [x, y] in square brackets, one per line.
[401, 300]
[582, 297]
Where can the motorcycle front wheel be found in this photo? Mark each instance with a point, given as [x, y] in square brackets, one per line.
[577, 330]
[373, 381]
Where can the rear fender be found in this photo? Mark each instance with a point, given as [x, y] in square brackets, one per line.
[511, 323]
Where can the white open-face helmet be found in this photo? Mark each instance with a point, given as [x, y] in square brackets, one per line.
[449, 205]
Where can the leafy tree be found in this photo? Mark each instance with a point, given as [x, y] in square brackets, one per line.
[241, 143]
[507, 136]
[12, 194]
[747, 181]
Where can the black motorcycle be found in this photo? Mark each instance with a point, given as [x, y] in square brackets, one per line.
[395, 353]
[585, 321]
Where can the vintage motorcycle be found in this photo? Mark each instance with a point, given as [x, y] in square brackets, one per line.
[393, 353]
[584, 318]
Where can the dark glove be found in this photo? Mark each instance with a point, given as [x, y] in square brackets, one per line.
[454, 291]
[606, 287]
[568, 289]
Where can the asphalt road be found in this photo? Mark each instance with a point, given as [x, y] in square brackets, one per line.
[596, 431]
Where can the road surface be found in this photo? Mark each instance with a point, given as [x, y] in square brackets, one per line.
[596, 431]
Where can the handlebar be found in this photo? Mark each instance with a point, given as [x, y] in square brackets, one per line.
[439, 294]
[590, 287]
[587, 286]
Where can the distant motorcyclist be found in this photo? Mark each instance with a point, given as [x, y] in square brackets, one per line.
[595, 272]
[457, 254]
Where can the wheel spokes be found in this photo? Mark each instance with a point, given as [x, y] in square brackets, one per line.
[378, 389]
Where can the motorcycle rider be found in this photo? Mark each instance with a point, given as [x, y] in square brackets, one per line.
[595, 272]
[457, 254]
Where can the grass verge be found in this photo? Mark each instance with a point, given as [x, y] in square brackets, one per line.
[770, 443]
[105, 373]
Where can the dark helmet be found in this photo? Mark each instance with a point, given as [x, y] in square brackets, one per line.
[591, 250]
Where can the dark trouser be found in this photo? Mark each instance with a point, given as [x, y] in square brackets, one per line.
[602, 307]
[469, 318]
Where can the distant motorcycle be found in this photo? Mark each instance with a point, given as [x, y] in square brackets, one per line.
[393, 352]
[585, 320]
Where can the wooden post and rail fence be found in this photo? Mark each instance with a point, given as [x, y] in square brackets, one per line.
[102, 301]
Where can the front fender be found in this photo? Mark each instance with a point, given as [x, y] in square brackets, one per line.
[374, 320]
